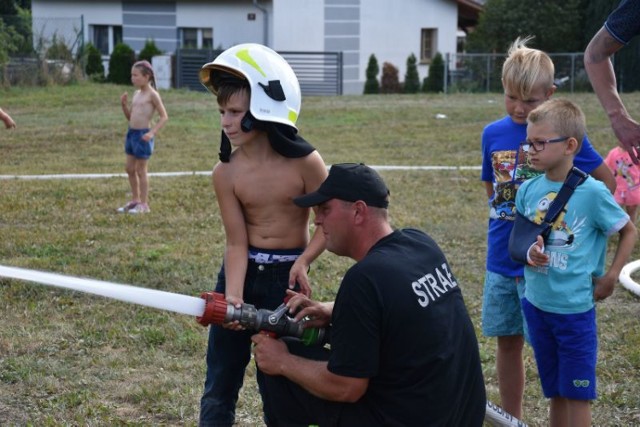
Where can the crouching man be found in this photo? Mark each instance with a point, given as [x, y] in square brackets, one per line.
[403, 349]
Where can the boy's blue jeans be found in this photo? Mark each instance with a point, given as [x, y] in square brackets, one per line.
[229, 351]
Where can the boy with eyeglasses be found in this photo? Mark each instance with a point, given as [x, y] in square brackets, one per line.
[565, 276]
[527, 79]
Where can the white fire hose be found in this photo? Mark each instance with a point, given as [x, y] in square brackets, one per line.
[178, 303]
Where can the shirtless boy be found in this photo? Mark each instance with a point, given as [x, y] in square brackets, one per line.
[268, 246]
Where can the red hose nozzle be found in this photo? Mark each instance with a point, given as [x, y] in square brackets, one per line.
[215, 309]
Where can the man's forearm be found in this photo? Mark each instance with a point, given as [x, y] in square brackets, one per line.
[313, 376]
[601, 74]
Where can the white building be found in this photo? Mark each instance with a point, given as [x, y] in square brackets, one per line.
[391, 30]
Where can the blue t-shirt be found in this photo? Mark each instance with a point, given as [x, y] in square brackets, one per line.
[624, 22]
[506, 166]
[576, 245]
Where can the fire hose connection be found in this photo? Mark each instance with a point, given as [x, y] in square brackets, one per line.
[275, 323]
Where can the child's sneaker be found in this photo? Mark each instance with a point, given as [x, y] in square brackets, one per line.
[127, 207]
[140, 208]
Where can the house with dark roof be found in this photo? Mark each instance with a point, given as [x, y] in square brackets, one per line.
[390, 30]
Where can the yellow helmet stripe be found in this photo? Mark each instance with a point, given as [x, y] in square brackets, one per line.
[244, 55]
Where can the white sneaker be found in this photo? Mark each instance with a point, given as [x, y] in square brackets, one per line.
[128, 207]
[139, 208]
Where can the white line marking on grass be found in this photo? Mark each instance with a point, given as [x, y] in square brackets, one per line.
[99, 175]
[190, 173]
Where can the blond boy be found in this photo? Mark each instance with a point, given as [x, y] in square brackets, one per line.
[527, 79]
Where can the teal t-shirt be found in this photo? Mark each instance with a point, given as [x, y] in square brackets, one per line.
[576, 246]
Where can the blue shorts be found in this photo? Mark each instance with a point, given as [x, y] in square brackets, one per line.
[566, 350]
[501, 310]
[137, 147]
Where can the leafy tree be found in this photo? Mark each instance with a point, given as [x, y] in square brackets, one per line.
[9, 42]
[556, 26]
[18, 20]
[390, 82]
[120, 63]
[372, 85]
[411, 77]
[10, 7]
[596, 12]
[149, 51]
[434, 82]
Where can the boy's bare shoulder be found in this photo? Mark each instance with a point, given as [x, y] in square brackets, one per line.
[313, 159]
[221, 170]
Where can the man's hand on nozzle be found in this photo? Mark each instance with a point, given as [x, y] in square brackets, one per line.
[269, 353]
[315, 314]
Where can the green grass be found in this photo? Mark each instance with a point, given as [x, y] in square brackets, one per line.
[68, 358]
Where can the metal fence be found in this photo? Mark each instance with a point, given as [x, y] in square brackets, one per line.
[319, 73]
[47, 50]
[481, 72]
[188, 64]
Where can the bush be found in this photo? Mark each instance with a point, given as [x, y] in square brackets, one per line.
[149, 51]
[372, 85]
[390, 82]
[120, 63]
[434, 82]
[94, 68]
[411, 78]
[58, 50]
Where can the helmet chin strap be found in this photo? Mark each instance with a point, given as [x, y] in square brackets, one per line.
[250, 123]
[225, 148]
[247, 124]
[283, 139]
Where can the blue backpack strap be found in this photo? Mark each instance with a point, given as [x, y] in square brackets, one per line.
[574, 178]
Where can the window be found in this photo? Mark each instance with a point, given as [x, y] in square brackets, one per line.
[427, 45]
[105, 37]
[461, 42]
[196, 38]
[207, 38]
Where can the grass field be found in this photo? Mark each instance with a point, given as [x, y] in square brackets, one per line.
[68, 358]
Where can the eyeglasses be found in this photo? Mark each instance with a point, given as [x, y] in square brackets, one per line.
[539, 145]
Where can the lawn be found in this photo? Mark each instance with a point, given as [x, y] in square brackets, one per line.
[68, 358]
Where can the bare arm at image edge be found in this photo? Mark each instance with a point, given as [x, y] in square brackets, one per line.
[601, 74]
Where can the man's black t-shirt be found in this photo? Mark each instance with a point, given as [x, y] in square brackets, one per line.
[399, 319]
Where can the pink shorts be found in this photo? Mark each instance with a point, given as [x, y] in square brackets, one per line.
[628, 197]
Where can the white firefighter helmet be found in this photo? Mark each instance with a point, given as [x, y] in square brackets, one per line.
[275, 91]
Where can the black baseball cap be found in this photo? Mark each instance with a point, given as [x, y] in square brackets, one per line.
[350, 182]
